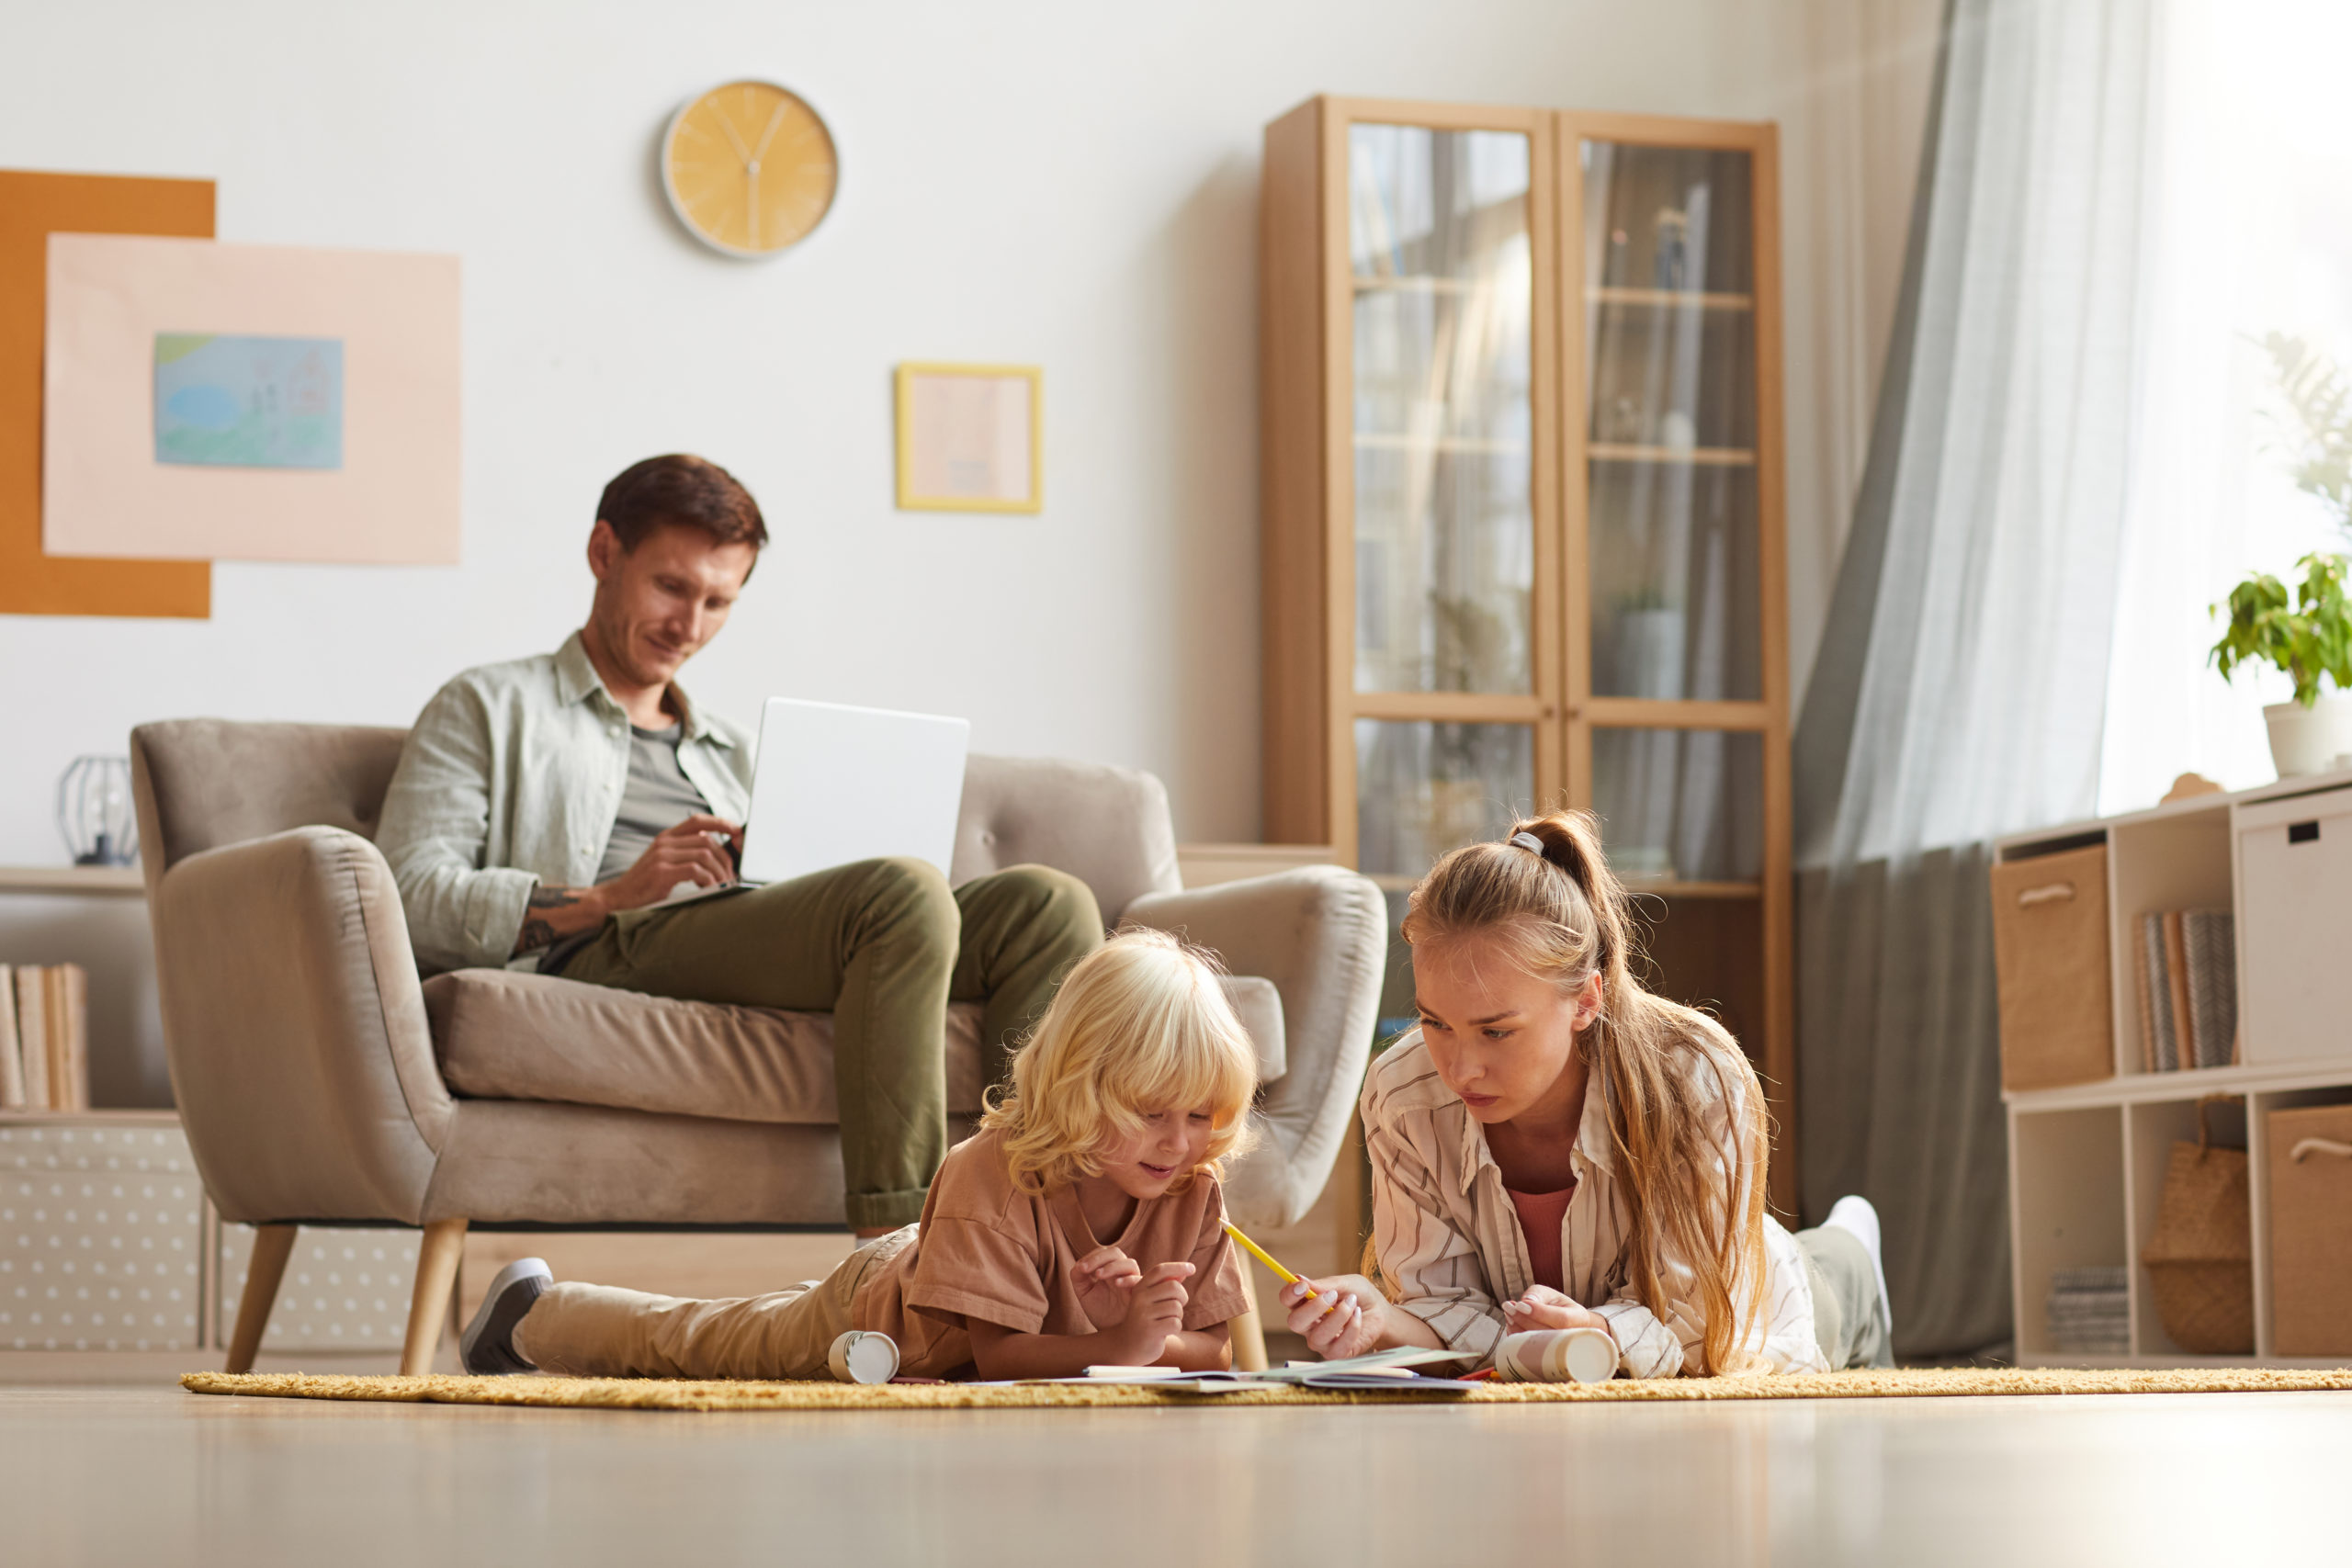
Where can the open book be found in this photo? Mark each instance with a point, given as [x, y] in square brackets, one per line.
[1382, 1369]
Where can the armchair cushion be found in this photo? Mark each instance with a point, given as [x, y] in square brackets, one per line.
[507, 1035]
[1107, 827]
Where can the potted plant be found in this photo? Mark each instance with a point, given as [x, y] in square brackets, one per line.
[2306, 633]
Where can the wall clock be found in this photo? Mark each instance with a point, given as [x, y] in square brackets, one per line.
[749, 168]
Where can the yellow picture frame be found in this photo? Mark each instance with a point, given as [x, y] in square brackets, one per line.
[970, 438]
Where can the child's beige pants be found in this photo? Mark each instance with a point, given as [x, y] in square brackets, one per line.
[602, 1331]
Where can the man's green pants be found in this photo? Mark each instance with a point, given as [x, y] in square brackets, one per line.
[884, 946]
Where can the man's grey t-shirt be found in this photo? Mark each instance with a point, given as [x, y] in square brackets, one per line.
[657, 797]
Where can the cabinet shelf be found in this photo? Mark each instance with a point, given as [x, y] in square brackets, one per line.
[1653, 886]
[1671, 299]
[1386, 441]
[1668, 887]
[1405, 283]
[1692, 456]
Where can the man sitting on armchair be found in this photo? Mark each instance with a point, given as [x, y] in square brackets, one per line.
[543, 809]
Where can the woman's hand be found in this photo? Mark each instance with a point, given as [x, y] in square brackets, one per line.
[1105, 1279]
[1351, 1327]
[1543, 1307]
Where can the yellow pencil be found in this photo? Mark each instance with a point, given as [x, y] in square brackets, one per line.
[1262, 1256]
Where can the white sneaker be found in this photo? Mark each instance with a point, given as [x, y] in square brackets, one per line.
[1854, 1215]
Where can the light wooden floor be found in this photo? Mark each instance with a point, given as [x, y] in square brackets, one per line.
[153, 1475]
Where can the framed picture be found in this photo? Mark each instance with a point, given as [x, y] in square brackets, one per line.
[971, 438]
[207, 401]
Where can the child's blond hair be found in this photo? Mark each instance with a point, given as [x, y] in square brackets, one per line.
[1141, 1024]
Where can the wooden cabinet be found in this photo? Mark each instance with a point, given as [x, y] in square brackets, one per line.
[1520, 399]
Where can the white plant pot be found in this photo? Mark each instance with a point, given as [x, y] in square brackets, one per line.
[2309, 739]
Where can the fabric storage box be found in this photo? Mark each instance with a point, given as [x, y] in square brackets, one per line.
[2311, 1230]
[2294, 905]
[101, 1233]
[2049, 931]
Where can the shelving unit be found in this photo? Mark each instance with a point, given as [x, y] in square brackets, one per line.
[88, 881]
[2088, 1161]
[112, 1250]
[1521, 404]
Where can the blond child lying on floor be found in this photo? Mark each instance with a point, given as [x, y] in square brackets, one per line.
[1082, 1225]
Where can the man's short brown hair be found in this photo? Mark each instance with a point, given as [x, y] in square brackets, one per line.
[694, 493]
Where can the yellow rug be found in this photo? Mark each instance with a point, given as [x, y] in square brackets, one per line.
[649, 1394]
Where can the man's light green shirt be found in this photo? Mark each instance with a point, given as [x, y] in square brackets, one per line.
[512, 778]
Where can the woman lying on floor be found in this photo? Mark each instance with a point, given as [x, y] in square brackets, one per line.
[1133, 1088]
[1555, 1148]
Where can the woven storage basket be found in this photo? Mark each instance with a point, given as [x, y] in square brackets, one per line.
[2200, 1259]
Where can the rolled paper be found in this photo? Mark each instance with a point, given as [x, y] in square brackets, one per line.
[860, 1356]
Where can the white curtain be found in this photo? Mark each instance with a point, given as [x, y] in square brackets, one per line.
[1962, 678]
[1852, 105]
[2250, 233]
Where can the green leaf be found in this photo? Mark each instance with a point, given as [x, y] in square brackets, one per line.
[2319, 395]
[2308, 633]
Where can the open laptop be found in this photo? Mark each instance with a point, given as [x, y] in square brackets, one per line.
[835, 784]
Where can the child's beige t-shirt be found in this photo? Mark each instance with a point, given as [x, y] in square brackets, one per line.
[986, 1249]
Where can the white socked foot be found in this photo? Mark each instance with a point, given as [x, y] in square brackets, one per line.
[1854, 1215]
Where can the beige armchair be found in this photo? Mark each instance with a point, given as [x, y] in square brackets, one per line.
[321, 1082]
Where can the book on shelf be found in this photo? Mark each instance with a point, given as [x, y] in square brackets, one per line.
[12, 1061]
[2209, 945]
[33, 1036]
[2089, 1312]
[2187, 968]
[47, 1039]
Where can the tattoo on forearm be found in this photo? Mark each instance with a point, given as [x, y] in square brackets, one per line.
[538, 931]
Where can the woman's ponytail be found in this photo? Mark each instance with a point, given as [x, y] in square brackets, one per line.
[1571, 841]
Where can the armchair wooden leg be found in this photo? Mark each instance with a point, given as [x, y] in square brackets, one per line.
[1249, 1330]
[428, 1308]
[273, 1245]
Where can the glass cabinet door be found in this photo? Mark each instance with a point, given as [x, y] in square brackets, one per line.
[1441, 271]
[1426, 787]
[1679, 740]
[1671, 530]
[1681, 806]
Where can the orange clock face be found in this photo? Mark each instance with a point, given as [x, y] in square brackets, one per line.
[749, 167]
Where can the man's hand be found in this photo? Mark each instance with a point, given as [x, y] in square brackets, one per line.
[1106, 1279]
[1543, 1307]
[1155, 1312]
[686, 852]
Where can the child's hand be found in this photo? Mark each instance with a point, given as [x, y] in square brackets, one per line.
[1155, 1310]
[1543, 1307]
[1351, 1327]
[1105, 1277]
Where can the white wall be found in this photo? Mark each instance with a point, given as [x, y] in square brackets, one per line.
[1071, 184]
